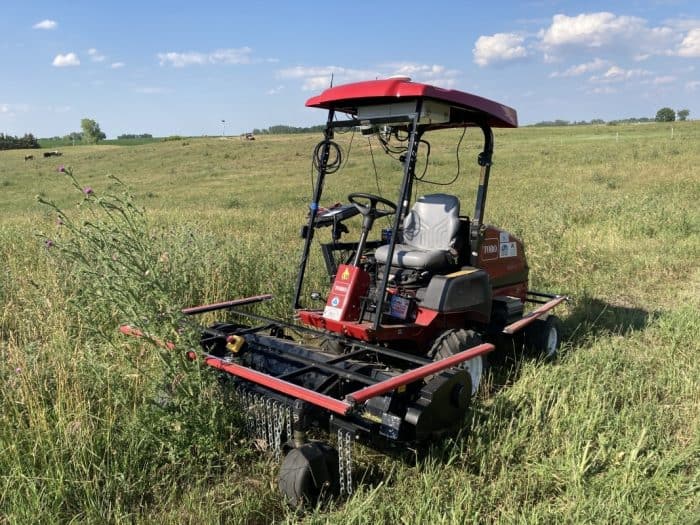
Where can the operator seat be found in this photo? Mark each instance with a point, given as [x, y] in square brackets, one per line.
[430, 233]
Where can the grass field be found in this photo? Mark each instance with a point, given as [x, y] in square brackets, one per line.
[96, 429]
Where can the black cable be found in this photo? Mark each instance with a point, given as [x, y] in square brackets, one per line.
[427, 159]
[464, 131]
[391, 151]
[333, 163]
[347, 155]
[374, 165]
[396, 135]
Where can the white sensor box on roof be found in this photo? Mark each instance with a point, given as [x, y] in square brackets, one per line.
[431, 112]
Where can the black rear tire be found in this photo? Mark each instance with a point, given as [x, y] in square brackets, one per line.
[451, 342]
[309, 473]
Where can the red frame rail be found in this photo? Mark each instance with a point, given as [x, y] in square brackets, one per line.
[534, 315]
[418, 373]
[135, 332]
[279, 385]
[192, 310]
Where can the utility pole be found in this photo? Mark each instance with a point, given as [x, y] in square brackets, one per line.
[223, 128]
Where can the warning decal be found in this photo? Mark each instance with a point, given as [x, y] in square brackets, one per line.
[508, 249]
[330, 312]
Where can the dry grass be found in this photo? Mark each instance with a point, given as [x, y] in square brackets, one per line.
[610, 433]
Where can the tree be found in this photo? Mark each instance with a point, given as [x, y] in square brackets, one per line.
[10, 142]
[92, 133]
[683, 114]
[665, 115]
[74, 137]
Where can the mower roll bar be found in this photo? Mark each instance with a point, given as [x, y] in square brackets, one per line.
[313, 207]
[401, 206]
[535, 314]
[416, 131]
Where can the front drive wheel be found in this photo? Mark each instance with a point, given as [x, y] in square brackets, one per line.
[452, 342]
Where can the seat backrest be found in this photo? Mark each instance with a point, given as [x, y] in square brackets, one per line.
[433, 222]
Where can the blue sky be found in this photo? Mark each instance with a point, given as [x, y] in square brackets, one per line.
[183, 67]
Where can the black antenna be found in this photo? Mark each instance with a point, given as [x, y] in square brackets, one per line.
[331, 79]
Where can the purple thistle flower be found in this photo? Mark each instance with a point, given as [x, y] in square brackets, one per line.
[87, 190]
[18, 370]
[48, 243]
[61, 169]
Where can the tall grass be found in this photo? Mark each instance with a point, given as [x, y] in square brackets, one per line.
[97, 428]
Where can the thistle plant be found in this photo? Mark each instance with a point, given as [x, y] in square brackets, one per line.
[111, 254]
[119, 269]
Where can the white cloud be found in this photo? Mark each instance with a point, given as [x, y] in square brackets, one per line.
[618, 74]
[435, 74]
[604, 30]
[95, 55]
[219, 56]
[181, 59]
[666, 79]
[11, 110]
[316, 78]
[604, 90]
[45, 24]
[501, 47]
[117, 65]
[67, 60]
[690, 46]
[588, 29]
[692, 85]
[580, 69]
[275, 90]
[151, 90]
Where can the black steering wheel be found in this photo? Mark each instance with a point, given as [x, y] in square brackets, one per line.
[370, 208]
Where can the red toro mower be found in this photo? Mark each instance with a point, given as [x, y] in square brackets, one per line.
[411, 312]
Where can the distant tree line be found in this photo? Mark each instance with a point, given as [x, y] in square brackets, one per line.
[663, 115]
[598, 121]
[25, 142]
[281, 129]
[126, 136]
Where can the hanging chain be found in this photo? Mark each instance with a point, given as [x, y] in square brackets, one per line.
[279, 427]
[345, 442]
[266, 420]
[348, 462]
[259, 417]
[341, 461]
[290, 420]
[269, 420]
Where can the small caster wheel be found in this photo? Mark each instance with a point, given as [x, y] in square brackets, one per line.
[309, 474]
[543, 337]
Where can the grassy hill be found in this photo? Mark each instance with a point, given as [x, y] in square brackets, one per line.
[95, 428]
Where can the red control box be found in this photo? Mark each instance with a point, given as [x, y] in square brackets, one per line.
[344, 301]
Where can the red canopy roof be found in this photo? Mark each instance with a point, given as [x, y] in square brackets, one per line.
[348, 97]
